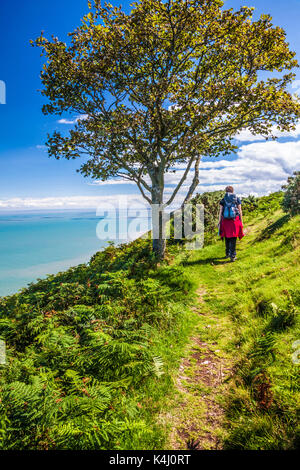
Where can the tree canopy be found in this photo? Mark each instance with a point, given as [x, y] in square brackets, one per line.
[164, 85]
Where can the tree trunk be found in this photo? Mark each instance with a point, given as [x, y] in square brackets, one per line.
[158, 223]
[159, 248]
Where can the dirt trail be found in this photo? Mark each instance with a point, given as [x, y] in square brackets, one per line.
[197, 418]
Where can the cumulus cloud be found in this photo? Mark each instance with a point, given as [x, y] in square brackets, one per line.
[81, 117]
[259, 168]
[246, 136]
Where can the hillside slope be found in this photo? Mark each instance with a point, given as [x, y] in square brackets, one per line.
[109, 355]
[239, 383]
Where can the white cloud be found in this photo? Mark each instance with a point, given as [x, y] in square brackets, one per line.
[81, 117]
[71, 202]
[110, 182]
[66, 121]
[260, 168]
[246, 136]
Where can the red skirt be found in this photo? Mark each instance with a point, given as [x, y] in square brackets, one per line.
[231, 228]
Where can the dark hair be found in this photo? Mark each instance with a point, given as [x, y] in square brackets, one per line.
[229, 189]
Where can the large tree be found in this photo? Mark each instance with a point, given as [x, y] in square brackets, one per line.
[164, 85]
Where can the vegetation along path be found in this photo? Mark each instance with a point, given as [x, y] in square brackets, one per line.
[198, 420]
[96, 359]
[237, 385]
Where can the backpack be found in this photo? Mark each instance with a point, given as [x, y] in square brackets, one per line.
[230, 206]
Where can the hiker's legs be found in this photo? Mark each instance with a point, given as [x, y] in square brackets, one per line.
[232, 247]
[227, 245]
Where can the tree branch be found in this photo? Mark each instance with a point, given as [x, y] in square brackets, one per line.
[194, 184]
[180, 182]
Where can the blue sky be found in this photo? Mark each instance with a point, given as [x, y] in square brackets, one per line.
[29, 179]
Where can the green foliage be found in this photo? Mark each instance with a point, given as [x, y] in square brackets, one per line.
[250, 203]
[284, 317]
[211, 201]
[291, 200]
[264, 308]
[264, 205]
[80, 350]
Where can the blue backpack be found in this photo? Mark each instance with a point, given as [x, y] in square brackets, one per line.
[230, 206]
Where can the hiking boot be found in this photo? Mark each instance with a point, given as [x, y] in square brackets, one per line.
[232, 259]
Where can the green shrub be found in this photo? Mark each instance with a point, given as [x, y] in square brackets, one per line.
[265, 307]
[211, 201]
[284, 317]
[291, 200]
[249, 203]
[80, 350]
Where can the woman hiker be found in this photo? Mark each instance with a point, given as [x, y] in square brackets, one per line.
[230, 221]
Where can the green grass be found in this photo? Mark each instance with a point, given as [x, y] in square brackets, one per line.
[93, 353]
[262, 403]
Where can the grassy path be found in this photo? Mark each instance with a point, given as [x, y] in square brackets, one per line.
[197, 420]
[197, 417]
[237, 379]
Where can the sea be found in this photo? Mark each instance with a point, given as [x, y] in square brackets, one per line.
[35, 244]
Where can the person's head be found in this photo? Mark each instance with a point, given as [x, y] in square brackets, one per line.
[229, 189]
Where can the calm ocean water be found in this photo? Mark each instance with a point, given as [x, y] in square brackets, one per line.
[34, 244]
